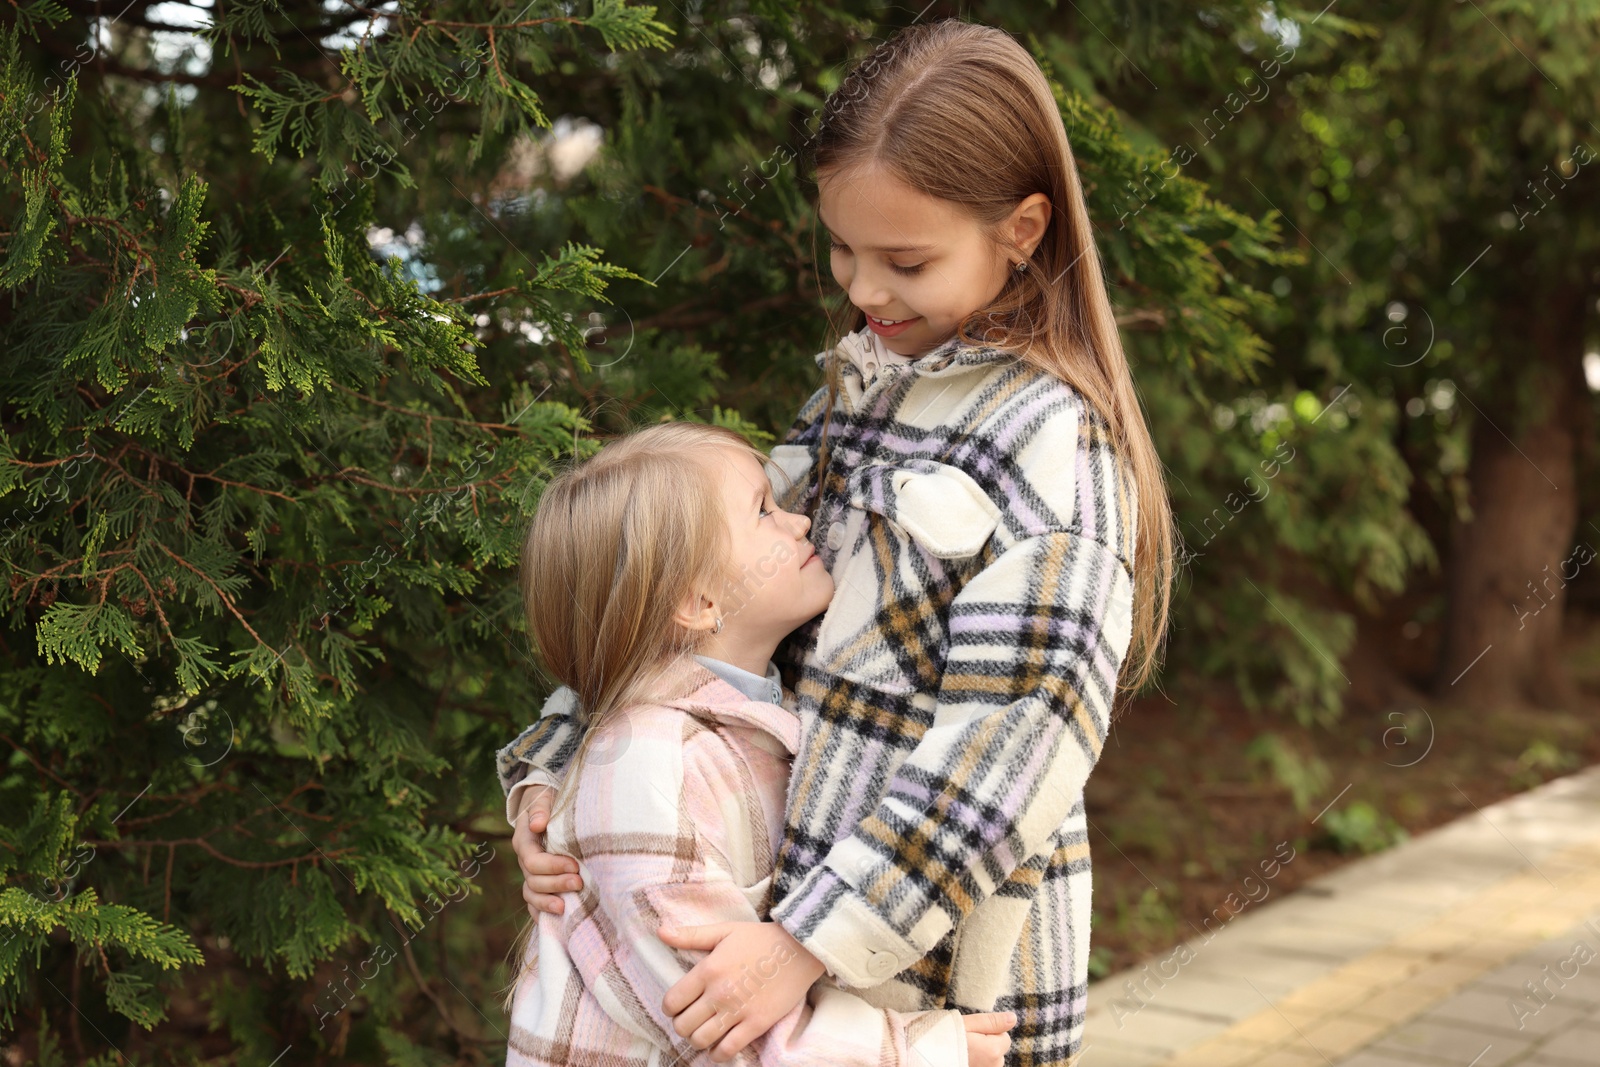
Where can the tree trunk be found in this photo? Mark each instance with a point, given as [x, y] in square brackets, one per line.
[1502, 637]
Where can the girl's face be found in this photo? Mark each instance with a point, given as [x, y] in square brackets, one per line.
[778, 581]
[917, 265]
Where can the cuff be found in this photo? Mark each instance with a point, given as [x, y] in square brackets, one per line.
[843, 931]
[506, 761]
[561, 702]
[514, 797]
[938, 1039]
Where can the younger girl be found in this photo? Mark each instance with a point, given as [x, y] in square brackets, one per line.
[986, 496]
[680, 772]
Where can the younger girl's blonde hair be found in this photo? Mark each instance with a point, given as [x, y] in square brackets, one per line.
[962, 113]
[616, 544]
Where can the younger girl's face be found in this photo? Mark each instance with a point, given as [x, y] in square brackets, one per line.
[916, 265]
[778, 581]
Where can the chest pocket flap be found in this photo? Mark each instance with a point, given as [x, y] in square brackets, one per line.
[938, 506]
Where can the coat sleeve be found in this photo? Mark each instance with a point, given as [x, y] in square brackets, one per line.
[669, 869]
[1036, 642]
[540, 754]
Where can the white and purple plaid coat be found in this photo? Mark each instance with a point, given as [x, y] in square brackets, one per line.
[954, 697]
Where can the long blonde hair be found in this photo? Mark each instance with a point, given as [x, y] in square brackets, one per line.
[617, 542]
[962, 113]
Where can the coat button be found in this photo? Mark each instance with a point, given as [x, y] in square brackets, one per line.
[836, 536]
[882, 964]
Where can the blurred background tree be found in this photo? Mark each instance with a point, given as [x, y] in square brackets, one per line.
[305, 300]
[1427, 564]
[1431, 159]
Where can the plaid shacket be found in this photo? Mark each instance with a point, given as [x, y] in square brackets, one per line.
[979, 526]
[677, 812]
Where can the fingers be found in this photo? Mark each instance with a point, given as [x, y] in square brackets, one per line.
[521, 835]
[990, 1022]
[527, 847]
[545, 875]
[535, 861]
[731, 1045]
[548, 875]
[537, 902]
[702, 937]
[538, 808]
[553, 883]
[549, 865]
[684, 992]
[693, 1018]
[711, 1030]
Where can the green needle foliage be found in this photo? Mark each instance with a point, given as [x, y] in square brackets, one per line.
[263, 502]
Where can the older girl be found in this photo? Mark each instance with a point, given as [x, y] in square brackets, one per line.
[987, 498]
[679, 776]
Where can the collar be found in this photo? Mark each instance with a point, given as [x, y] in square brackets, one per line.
[867, 352]
[701, 692]
[767, 688]
[952, 357]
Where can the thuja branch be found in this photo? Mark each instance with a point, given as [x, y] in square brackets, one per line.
[216, 853]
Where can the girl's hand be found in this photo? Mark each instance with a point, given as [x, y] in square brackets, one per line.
[545, 874]
[987, 1040]
[708, 1003]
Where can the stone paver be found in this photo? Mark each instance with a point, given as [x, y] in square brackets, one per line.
[1475, 945]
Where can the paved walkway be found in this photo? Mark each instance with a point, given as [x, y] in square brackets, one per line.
[1474, 945]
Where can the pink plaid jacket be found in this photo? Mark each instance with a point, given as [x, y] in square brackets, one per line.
[678, 811]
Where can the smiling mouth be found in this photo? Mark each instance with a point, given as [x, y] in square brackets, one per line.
[887, 322]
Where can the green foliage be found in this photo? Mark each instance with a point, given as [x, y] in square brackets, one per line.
[1146, 919]
[1192, 313]
[262, 523]
[400, 1052]
[1447, 200]
[1360, 827]
[577, 271]
[1304, 776]
[1281, 497]
[1540, 760]
[27, 923]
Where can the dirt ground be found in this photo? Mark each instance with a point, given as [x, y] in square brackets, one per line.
[1181, 812]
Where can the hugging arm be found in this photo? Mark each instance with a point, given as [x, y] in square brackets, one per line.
[540, 754]
[538, 758]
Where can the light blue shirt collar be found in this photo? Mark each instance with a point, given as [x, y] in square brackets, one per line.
[768, 689]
